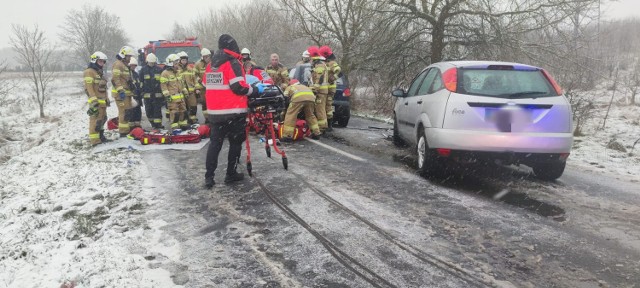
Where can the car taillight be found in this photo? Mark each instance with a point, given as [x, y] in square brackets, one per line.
[443, 152]
[552, 81]
[346, 92]
[450, 78]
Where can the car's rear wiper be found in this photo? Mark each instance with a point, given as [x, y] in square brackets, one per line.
[526, 94]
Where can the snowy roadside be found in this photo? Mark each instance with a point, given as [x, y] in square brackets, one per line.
[68, 215]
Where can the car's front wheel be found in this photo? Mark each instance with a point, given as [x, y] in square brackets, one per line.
[549, 171]
[427, 161]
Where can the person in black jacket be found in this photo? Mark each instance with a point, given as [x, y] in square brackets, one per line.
[153, 98]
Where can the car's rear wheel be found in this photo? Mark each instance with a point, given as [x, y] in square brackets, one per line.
[396, 133]
[549, 171]
[343, 120]
[427, 161]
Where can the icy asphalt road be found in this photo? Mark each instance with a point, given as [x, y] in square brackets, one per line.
[359, 216]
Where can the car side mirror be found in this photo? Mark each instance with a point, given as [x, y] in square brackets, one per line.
[398, 93]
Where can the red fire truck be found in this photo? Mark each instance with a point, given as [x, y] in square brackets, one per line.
[163, 48]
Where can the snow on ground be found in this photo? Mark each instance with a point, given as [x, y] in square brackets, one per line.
[68, 215]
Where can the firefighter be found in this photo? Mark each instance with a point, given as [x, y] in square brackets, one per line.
[247, 64]
[153, 99]
[188, 78]
[278, 72]
[95, 85]
[200, 67]
[172, 90]
[134, 114]
[301, 99]
[226, 96]
[120, 90]
[333, 71]
[320, 85]
[305, 58]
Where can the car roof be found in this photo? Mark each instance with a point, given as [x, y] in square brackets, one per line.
[483, 64]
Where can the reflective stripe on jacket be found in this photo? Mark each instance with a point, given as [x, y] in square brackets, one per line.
[226, 89]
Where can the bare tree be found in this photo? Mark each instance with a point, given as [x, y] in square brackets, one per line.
[34, 52]
[92, 29]
[178, 32]
[614, 88]
[632, 82]
[468, 23]
[6, 85]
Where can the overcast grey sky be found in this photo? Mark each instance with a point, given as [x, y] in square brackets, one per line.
[143, 20]
[151, 19]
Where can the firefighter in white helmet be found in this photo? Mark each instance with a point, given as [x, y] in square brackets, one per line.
[247, 63]
[120, 90]
[172, 90]
[199, 68]
[188, 77]
[153, 99]
[306, 58]
[95, 85]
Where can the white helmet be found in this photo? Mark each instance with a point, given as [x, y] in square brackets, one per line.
[205, 52]
[133, 61]
[245, 51]
[182, 54]
[126, 51]
[98, 56]
[152, 58]
[170, 59]
[305, 54]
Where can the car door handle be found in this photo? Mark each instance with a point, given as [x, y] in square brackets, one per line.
[419, 102]
[406, 103]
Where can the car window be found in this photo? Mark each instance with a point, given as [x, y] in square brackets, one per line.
[505, 83]
[437, 83]
[426, 84]
[413, 89]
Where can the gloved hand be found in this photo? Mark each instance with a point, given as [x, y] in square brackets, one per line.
[94, 104]
[121, 95]
[92, 111]
[260, 87]
[167, 99]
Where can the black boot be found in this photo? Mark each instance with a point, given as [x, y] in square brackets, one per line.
[103, 138]
[315, 136]
[209, 182]
[234, 177]
[329, 125]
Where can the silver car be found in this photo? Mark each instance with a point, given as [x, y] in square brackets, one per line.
[471, 110]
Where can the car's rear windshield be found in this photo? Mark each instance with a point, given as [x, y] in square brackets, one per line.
[504, 83]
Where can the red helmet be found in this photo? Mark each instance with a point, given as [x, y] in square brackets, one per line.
[313, 51]
[293, 81]
[325, 51]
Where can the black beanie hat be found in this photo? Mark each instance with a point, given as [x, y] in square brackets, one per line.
[227, 42]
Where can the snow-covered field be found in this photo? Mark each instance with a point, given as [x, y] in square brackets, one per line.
[67, 215]
[71, 216]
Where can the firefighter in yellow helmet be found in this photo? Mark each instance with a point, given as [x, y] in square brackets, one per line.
[120, 90]
[333, 72]
[200, 68]
[301, 99]
[95, 85]
[188, 77]
[172, 90]
[278, 72]
[320, 85]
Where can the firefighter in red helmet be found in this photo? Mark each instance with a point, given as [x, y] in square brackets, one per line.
[320, 85]
[333, 70]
